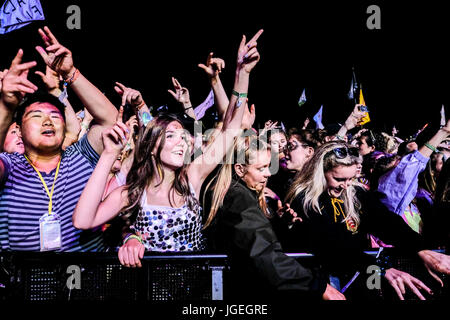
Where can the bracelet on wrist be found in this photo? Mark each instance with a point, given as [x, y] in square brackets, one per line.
[71, 79]
[139, 107]
[132, 236]
[431, 147]
[239, 95]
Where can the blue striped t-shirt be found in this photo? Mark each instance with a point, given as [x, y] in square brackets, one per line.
[23, 200]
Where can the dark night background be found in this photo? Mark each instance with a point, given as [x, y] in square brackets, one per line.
[403, 67]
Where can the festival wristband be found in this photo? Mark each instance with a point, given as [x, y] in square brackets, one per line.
[432, 148]
[239, 95]
[132, 236]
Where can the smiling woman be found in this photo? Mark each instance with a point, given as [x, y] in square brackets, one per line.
[337, 216]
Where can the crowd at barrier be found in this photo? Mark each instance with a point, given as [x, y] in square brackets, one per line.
[133, 180]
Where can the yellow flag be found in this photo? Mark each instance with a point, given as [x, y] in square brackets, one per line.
[361, 101]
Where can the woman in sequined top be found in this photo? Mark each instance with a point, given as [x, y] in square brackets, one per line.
[160, 198]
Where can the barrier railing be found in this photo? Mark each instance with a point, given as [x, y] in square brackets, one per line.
[49, 276]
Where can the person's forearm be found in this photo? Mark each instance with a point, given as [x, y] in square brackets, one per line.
[6, 118]
[234, 114]
[220, 95]
[342, 132]
[144, 116]
[189, 110]
[85, 212]
[102, 110]
[73, 126]
[434, 142]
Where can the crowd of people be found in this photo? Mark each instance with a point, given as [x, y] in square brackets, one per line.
[131, 179]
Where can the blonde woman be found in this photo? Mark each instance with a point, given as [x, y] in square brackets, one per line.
[238, 225]
[336, 217]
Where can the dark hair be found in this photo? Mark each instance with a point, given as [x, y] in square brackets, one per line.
[307, 136]
[375, 139]
[41, 97]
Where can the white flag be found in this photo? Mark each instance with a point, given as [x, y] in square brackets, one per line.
[318, 118]
[302, 99]
[16, 14]
[200, 110]
[442, 117]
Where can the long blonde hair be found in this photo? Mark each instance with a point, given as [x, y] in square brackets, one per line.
[311, 180]
[244, 152]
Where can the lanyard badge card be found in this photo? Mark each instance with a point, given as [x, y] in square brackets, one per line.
[50, 232]
[49, 223]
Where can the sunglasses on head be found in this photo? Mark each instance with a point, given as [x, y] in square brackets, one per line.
[343, 152]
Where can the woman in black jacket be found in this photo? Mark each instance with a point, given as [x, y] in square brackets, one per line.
[337, 215]
[238, 226]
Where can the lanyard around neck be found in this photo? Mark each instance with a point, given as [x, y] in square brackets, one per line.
[50, 194]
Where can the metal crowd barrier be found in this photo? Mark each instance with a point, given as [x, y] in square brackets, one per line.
[50, 276]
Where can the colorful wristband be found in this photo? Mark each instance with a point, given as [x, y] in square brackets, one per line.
[432, 148]
[132, 236]
[239, 95]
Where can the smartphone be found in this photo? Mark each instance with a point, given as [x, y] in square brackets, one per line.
[363, 109]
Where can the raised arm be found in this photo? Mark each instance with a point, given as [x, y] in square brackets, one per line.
[350, 122]
[430, 147]
[213, 68]
[247, 58]
[14, 87]
[90, 211]
[59, 59]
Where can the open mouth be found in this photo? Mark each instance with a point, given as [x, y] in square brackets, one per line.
[178, 153]
[48, 132]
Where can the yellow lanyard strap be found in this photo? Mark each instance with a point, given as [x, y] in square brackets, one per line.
[50, 194]
[338, 211]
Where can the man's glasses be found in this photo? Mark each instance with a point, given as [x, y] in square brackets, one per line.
[343, 152]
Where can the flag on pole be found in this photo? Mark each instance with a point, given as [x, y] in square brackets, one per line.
[200, 110]
[353, 86]
[318, 118]
[15, 14]
[302, 99]
[366, 117]
[442, 116]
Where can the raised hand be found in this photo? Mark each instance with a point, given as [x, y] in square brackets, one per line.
[249, 117]
[15, 83]
[181, 94]
[248, 55]
[354, 118]
[115, 138]
[213, 66]
[50, 79]
[129, 95]
[55, 55]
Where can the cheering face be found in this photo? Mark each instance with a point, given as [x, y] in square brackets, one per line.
[256, 173]
[13, 140]
[364, 147]
[297, 154]
[175, 146]
[43, 127]
[339, 179]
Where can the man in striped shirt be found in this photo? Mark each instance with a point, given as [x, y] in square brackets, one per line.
[25, 180]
